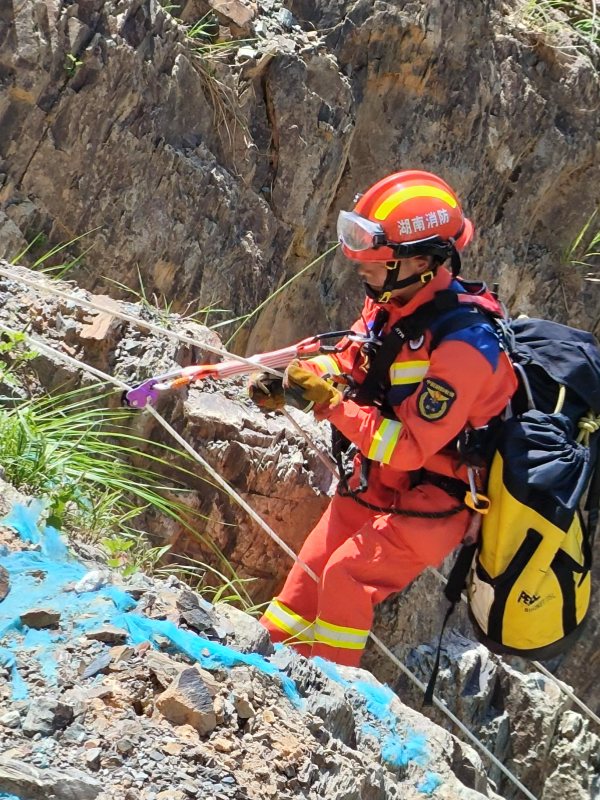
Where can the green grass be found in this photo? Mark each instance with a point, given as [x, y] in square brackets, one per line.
[81, 457]
[579, 18]
[43, 263]
[584, 250]
[162, 308]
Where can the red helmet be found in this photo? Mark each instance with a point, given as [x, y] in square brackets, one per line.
[408, 213]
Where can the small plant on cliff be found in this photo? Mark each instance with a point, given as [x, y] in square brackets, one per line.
[44, 262]
[552, 17]
[162, 308]
[584, 250]
[14, 356]
[72, 64]
[213, 584]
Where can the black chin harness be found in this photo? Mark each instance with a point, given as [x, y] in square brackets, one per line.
[467, 309]
[440, 249]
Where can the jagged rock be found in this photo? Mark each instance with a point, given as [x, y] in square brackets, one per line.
[30, 783]
[39, 618]
[247, 634]
[92, 758]
[163, 667]
[325, 698]
[12, 719]
[197, 613]
[46, 715]
[187, 701]
[100, 664]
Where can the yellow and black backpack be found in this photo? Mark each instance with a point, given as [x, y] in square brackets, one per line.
[528, 576]
[529, 584]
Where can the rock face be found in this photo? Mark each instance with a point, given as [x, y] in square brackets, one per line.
[266, 462]
[524, 719]
[217, 180]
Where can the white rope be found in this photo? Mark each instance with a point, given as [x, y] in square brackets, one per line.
[270, 532]
[444, 708]
[179, 337]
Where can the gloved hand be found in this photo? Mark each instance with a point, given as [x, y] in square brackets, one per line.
[313, 389]
[266, 391]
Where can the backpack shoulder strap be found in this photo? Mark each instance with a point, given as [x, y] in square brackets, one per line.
[448, 312]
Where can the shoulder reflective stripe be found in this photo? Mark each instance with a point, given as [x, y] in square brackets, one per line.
[390, 203]
[326, 364]
[339, 636]
[408, 372]
[384, 441]
[288, 621]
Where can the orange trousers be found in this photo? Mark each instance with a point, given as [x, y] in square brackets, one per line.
[361, 557]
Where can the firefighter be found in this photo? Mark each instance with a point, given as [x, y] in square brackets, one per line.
[402, 510]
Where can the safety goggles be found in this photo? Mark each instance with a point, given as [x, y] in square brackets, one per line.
[358, 233]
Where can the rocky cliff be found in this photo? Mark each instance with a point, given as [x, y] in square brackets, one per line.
[218, 178]
[211, 175]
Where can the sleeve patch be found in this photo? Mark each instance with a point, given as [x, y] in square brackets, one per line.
[435, 398]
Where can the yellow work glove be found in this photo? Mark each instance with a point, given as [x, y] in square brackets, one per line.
[314, 390]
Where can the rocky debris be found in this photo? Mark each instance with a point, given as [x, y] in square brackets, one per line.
[31, 783]
[202, 719]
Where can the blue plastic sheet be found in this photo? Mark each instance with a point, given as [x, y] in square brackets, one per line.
[397, 750]
[45, 578]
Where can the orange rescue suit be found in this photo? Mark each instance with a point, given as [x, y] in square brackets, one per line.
[361, 555]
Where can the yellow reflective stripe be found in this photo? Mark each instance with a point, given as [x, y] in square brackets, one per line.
[327, 364]
[384, 441]
[408, 372]
[288, 621]
[388, 205]
[340, 636]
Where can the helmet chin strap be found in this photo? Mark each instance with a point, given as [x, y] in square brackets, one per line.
[384, 295]
[442, 252]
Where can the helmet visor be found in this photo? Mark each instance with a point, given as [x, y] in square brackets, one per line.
[358, 233]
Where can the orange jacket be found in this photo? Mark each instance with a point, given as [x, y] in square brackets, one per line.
[464, 382]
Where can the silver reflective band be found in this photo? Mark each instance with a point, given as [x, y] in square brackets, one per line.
[356, 232]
